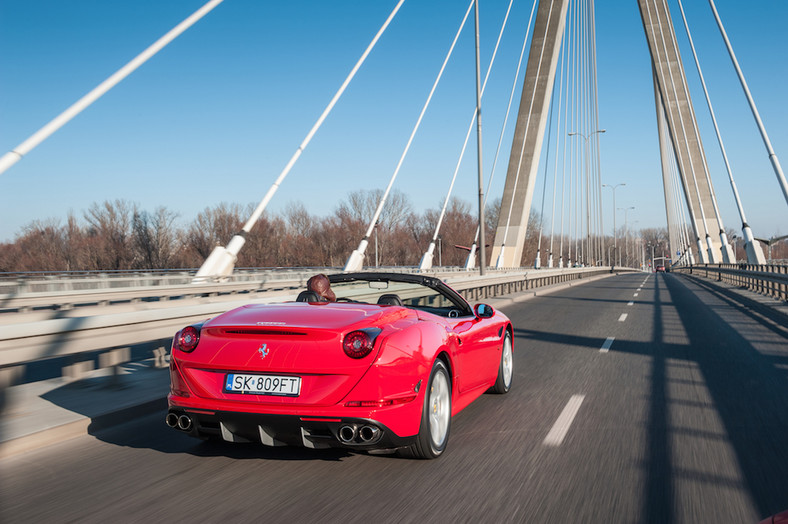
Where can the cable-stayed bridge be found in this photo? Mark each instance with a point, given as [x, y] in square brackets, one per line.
[671, 332]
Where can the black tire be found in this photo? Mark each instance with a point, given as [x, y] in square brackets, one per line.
[435, 416]
[505, 368]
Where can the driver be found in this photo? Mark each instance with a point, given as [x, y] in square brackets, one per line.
[320, 285]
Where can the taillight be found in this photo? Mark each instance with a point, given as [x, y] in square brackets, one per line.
[188, 338]
[359, 344]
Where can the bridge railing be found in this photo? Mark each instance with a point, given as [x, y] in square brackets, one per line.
[69, 290]
[770, 279]
[23, 341]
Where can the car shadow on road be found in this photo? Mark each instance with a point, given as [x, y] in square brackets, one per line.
[150, 432]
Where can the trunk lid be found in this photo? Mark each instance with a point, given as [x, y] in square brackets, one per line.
[285, 340]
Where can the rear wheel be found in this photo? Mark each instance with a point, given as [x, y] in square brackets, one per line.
[506, 367]
[436, 416]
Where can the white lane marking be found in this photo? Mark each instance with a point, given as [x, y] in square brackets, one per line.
[640, 288]
[630, 303]
[623, 317]
[561, 426]
[635, 295]
[606, 346]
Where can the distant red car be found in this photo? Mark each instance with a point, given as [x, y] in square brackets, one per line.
[660, 269]
[384, 367]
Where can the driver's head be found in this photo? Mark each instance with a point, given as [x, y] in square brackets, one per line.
[322, 287]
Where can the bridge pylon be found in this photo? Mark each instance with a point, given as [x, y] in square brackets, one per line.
[529, 132]
[675, 111]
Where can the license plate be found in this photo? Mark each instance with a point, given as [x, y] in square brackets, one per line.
[263, 384]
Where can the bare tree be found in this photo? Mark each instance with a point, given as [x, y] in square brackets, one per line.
[154, 238]
[119, 235]
[41, 247]
[656, 238]
[213, 226]
[267, 243]
[355, 214]
[109, 229]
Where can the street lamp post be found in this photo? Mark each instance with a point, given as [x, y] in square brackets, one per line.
[626, 231]
[588, 196]
[615, 237]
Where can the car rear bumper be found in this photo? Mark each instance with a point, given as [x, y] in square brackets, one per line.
[316, 432]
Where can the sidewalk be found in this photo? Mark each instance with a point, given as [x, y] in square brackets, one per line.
[41, 413]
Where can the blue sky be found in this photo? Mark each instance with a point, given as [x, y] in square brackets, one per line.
[216, 115]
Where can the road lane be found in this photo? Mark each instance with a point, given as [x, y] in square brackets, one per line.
[684, 418]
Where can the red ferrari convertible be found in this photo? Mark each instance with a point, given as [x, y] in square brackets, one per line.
[384, 367]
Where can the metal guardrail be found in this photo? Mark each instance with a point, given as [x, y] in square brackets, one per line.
[67, 289]
[29, 341]
[476, 288]
[56, 292]
[770, 280]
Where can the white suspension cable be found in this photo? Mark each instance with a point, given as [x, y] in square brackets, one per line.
[16, 154]
[572, 111]
[259, 210]
[575, 122]
[595, 125]
[426, 259]
[222, 260]
[559, 137]
[583, 124]
[471, 256]
[568, 30]
[538, 260]
[778, 170]
[754, 251]
[356, 260]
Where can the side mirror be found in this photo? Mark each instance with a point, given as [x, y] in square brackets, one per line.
[483, 311]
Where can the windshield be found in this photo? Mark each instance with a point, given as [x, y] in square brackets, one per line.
[386, 289]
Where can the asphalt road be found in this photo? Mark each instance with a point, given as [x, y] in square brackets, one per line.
[684, 418]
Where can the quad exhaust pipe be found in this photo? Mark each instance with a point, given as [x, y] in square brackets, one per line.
[172, 420]
[347, 434]
[354, 435]
[368, 433]
[183, 422]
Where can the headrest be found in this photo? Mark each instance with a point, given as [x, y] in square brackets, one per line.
[389, 299]
[308, 296]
